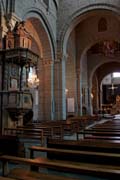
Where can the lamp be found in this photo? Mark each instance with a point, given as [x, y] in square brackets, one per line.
[66, 91]
[91, 95]
[33, 81]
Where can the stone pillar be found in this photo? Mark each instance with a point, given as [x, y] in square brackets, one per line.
[46, 90]
[90, 109]
[78, 92]
[59, 88]
[100, 98]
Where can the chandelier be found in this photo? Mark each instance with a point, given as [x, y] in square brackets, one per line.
[33, 81]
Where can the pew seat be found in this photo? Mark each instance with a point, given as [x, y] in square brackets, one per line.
[96, 170]
[22, 174]
[6, 178]
[96, 145]
[77, 155]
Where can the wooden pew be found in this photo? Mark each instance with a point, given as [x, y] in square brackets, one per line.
[23, 174]
[84, 121]
[66, 126]
[25, 133]
[102, 129]
[111, 146]
[6, 178]
[113, 135]
[64, 166]
[48, 131]
[77, 155]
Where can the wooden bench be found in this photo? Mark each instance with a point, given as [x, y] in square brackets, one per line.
[112, 146]
[66, 126]
[25, 133]
[107, 127]
[48, 131]
[64, 166]
[99, 134]
[77, 155]
[6, 178]
[23, 174]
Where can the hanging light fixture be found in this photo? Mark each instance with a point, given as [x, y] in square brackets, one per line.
[33, 81]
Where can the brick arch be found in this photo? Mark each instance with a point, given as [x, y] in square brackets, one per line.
[79, 16]
[44, 32]
[35, 37]
[93, 41]
[41, 37]
[106, 69]
[46, 50]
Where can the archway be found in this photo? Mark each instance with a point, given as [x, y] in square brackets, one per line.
[101, 72]
[41, 44]
[81, 66]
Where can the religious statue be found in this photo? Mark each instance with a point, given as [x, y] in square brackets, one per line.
[116, 107]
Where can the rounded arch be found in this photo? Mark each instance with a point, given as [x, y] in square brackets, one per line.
[47, 35]
[101, 64]
[94, 40]
[79, 16]
[35, 37]
[114, 66]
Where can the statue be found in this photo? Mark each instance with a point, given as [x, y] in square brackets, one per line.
[116, 107]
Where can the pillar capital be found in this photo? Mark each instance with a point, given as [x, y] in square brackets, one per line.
[61, 56]
[46, 62]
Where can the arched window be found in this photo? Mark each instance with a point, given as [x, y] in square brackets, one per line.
[102, 25]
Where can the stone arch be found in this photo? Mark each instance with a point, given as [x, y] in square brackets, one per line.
[40, 32]
[79, 16]
[47, 36]
[75, 19]
[108, 61]
[102, 71]
[90, 43]
[114, 66]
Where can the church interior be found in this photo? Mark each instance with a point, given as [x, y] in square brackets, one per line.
[59, 89]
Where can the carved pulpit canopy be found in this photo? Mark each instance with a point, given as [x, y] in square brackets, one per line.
[18, 37]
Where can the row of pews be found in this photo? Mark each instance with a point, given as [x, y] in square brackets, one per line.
[109, 130]
[93, 157]
[96, 159]
[52, 129]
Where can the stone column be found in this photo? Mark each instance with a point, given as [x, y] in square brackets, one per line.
[59, 88]
[90, 109]
[78, 92]
[46, 90]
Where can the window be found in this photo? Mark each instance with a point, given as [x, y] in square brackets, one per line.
[116, 75]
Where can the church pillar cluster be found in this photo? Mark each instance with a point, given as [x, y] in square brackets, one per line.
[59, 88]
[84, 86]
[46, 101]
[90, 109]
[78, 94]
